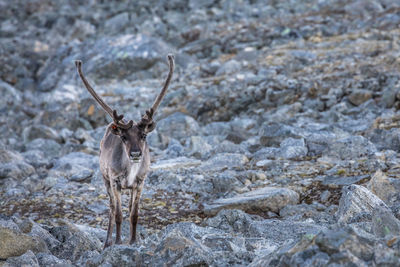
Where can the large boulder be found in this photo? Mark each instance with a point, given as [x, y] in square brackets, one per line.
[357, 204]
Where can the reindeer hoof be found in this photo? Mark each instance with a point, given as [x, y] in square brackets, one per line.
[107, 244]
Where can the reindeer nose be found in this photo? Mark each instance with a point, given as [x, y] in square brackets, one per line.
[135, 154]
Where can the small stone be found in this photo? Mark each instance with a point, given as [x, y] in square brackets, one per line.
[325, 196]
[291, 148]
[359, 96]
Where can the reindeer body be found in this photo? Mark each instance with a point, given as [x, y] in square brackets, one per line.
[120, 172]
[125, 158]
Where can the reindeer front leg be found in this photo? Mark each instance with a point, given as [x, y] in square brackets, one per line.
[134, 209]
[111, 215]
[116, 188]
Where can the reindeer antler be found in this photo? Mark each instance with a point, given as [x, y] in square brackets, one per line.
[113, 113]
[147, 118]
[166, 84]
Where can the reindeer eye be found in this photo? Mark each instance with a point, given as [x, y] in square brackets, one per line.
[143, 136]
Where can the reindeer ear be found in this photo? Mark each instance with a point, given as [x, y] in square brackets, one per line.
[115, 129]
[151, 127]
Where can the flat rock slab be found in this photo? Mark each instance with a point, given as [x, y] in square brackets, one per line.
[176, 163]
[337, 181]
[263, 199]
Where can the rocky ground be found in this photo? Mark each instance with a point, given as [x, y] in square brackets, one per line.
[276, 145]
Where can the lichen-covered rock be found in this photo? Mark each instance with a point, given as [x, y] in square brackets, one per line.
[14, 243]
[387, 189]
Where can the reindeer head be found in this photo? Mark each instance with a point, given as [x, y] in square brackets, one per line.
[133, 135]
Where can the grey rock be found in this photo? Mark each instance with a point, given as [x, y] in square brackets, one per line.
[217, 128]
[265, 153]
[88, 258]
[50, 148]
[174, 149]
[385, 188]
[117, 23]
[384, 224]
[117, 255]
[45, 259]
[225, 182]
[273, 134]
[351, 148]
[385, 139]
[359, 96]
[339, 181]
[13, 165]
[76, 166]
[318, 141]
[14, 244]
[26, 259]
[263, 199]
[199, 148]
[262, 236]
[229, 67]
[36, 158]
[40, 131]
[10, 96]
[73, 242]
[291, 148]
[229, 147]
[180, 247]
[223, 161]
[33, 229]
[384, 256]
[307, 212]
[357, 204]
[178, 126]
[176, 163]
[329, 247]
[6, 222]
[16, 171]
[339, 240]
[389, 97]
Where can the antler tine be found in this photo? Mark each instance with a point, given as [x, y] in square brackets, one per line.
[113, 113]
[166, 84]
[118, 118]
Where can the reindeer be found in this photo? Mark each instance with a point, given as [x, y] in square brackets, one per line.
[125, 157]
